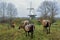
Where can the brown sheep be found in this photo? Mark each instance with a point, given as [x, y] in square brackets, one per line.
[28, 28]
[46, 25]
[13, 25]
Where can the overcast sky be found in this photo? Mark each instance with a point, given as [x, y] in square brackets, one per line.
[22, 6]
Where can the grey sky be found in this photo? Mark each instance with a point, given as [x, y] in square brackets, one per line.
[22, 6]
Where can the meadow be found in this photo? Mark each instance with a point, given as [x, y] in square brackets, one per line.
[7, 33]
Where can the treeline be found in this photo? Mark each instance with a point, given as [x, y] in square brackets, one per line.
[8, 11]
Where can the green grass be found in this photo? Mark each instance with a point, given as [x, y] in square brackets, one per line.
[16, 34]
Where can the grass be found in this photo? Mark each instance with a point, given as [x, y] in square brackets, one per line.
[16, 34]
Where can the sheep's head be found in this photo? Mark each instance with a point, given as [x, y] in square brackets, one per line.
[21, 26]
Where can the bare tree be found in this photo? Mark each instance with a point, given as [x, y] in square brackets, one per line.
[53, 9]
[11, 11]
[3, 7]
[43, 9]
[48, 9]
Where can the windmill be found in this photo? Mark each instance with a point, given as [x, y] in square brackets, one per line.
[31, 11]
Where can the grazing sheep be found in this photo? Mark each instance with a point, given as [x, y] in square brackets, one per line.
[29, 28]
[13, 25]
[46, 24]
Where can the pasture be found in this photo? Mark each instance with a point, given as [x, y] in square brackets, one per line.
[7, 33]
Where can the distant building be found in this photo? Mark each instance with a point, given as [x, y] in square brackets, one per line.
[31, 12]
[32, 16]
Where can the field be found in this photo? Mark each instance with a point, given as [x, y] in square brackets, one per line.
[7, 33]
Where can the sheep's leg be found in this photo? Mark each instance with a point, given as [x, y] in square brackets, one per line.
[46, 30]
[32, 34]
[43, 29]
[49, 30]
[19, 28]
[26, 33]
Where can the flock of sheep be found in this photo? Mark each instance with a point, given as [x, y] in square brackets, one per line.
[29, 27]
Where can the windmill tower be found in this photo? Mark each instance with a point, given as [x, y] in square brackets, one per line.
[31, 11]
